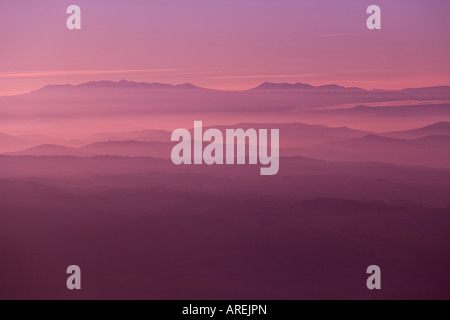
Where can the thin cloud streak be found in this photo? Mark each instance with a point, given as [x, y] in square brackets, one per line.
[45, 74]
[263, 76]
[336, 34]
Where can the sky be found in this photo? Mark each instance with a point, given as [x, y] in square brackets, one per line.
[230, 45]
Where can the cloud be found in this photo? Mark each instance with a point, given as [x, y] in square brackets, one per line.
[62, 73]
[336, 34]
[270, 76]
[192, 73]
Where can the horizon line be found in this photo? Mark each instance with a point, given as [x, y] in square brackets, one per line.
[216, 88]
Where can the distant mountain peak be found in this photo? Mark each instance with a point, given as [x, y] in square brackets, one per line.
[304, 86]
[122, 84]
[284, 85]
[439, 126]
[266, 86]
[435, 129]
[125, 84]
[188, 86]
[331, 86]
[46, 149]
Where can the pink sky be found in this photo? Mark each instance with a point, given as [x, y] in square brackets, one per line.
[225, 44]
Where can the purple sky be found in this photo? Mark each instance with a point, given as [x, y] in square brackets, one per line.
[232, 44]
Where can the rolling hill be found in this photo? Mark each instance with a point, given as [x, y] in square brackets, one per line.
[436, 129]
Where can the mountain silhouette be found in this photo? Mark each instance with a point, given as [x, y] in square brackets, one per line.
[49, 150]
[429, 151]
[107, 148]
[266, 86]
[283, 86]
[329, 105]
[436, 129]
[8, 139]
[130, 149]
[141, 135]
[435, 140]
[305, 87]
[122, 84]
[12, 143]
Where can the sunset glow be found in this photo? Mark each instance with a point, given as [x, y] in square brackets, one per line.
[225, 46]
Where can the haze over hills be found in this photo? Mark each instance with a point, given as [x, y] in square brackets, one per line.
[320, 93]
[437, 129]
[140, 135]
[342, 196]
[293, 130]
[428, 151]
[306, 178]
[103, 105]
[109, 148]
[130, 149]
[254, 225]
[12, 143]
[294, 134]
[50, 150]
[422, 147]
[373, 141]
[362, 177]
[8, 142]
[442, 141]
[379, 119]
[385, 111]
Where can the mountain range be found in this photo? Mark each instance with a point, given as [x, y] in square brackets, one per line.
[143, 102]
[357, 185]
[427, 146]
[436, 129]
[124, 84]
